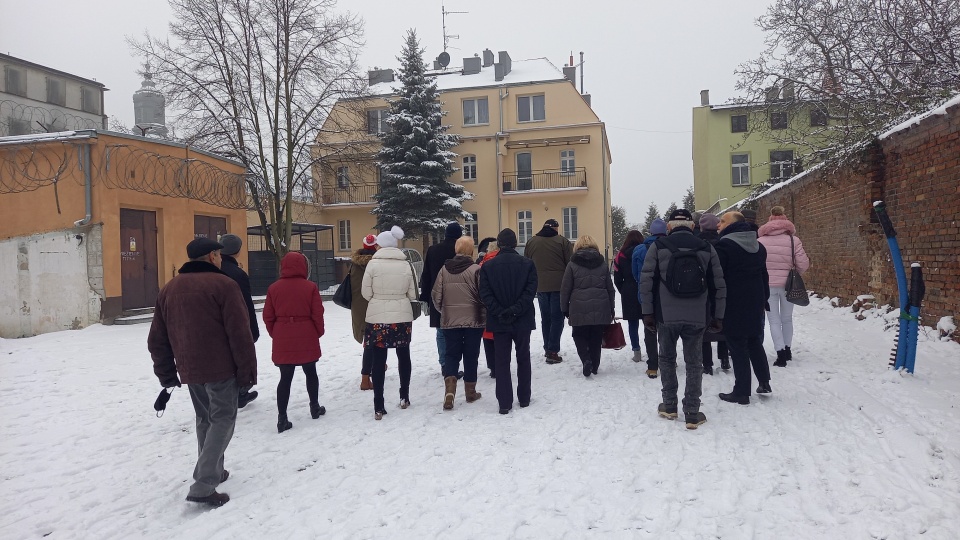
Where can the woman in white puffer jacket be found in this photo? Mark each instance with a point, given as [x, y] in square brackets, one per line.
[776, 235]
[389, 285]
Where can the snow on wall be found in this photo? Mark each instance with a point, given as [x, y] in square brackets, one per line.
[45, 285]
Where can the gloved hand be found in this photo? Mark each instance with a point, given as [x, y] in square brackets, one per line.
[508, 316]
[650, 323]
[716, 326]
[766, 306]
[171, 382]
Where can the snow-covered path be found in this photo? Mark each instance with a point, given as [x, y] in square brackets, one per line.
[843, 448]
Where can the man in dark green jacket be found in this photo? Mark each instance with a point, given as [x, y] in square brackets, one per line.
[550, 253]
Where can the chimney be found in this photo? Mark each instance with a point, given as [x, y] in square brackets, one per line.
[772, 94]
[471, 65]
[436, 65]
[376, 76]
[704, 98]
[788, 92]
[487, 58]
[570, 73]
[502, 68]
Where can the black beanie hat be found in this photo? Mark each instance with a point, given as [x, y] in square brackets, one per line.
[454, 231]
[507, 238]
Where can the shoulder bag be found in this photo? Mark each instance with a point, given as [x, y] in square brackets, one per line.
[344, 295]
[416, 305]
[796, 291]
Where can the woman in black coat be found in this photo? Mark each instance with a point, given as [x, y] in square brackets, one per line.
[628, 289]
[587, 299]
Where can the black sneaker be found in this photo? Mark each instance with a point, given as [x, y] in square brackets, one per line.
[524, 404]
[733, 398]
[213, 499]
[707, 370]
[243, 398]
[789, 354]
[504, 411]
[695, 420]
[667, 412]
[725, 364]
[764, 388]
[283, 424]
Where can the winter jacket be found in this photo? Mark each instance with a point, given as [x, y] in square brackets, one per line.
[487, 334]
[389, 285]
[550, 252]
[711, 237]
[508, 285]
[775, 237]
[293, 313]
[201, 330]
[657, 300]
[627, 284]
[744, 263]
[639, 254]
[358, 304]
[433, 261]
[457, 294]
[586, 293]
[231, 267]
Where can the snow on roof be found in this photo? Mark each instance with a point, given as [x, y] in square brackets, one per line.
[941, 110]
[47, 137]
[521, 72]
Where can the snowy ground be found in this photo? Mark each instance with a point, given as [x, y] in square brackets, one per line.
[844, 448]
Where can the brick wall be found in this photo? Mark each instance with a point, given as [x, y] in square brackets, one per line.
[916, 172]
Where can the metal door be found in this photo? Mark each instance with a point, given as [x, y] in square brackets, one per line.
[524, 171]
[139, 276]
[209, 227]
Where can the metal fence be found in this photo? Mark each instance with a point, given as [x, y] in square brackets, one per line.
[544, 179]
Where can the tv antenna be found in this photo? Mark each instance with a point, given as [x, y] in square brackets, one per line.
[447, 37]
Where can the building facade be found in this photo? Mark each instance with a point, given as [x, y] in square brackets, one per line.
[38, 99]
[531, 148]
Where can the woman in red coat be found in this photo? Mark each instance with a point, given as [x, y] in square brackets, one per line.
[293, 314]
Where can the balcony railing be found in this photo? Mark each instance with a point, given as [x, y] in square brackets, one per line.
[518, 182]
[350, 194]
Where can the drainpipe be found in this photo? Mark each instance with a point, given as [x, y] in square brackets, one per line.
[87, 186]
[496, 155]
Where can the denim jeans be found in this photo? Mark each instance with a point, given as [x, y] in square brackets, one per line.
[462, 343]
[633, 329]
[692, 337]
[551, 320]
[441, 347]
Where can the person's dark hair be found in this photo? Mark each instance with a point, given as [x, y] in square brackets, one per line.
[634, 238]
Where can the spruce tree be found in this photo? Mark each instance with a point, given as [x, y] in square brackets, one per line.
[689, 202]
[416, 159]
[670, 209]
[652, 213]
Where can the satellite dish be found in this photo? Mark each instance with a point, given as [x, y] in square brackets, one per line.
[444, 59]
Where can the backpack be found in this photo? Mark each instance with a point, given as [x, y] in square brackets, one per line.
[686, 276]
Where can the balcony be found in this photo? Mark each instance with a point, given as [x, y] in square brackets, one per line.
[352, 194]
[545, 180]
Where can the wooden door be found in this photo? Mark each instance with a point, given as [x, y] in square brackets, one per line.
[139, 265]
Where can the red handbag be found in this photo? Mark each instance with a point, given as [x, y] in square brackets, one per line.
[613, 337]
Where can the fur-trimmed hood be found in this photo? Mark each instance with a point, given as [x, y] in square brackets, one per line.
[362, 256]
[777, 225]
[587, 258]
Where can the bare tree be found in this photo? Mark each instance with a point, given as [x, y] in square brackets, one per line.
[835, 73]
[253, 80]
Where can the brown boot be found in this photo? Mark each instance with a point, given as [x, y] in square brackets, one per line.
[450, 392]
[470, 389]
[366, 383]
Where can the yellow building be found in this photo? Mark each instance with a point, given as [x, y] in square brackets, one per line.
[531, 149]
[731, 156]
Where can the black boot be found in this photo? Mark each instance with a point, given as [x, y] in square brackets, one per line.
[781, 358]
[789, 354]
[283, 424]
[725, 364]
[733, 398]
[317, 410]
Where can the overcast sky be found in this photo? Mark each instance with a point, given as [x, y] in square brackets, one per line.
[645, 62]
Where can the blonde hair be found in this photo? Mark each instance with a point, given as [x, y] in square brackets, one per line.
[464, 246]
[585, 241]
[777, 211]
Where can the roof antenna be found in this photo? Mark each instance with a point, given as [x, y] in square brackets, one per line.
[447, 37]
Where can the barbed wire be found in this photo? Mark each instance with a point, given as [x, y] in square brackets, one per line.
[29, 167]
[21, 119]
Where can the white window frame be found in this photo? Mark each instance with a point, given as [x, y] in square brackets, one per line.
[469, 168]
[524, 226]
[471, 228]
[740, 172]
[568, 164]
[343, 177]
[381, 123]
[474, 105]
[531, 108]
[343, 227]
[781, 165]
[571, 227]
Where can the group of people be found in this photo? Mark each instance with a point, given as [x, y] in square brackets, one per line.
[698, 281]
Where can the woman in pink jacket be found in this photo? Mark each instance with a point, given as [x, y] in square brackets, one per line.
[776, 235]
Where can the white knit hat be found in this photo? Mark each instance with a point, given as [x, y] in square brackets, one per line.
[390, 238]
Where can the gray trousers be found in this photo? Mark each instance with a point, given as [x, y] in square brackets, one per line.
[216, 408]
[692, 337]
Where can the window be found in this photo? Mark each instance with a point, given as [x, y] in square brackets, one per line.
[470, 228]
[14, 81]
[570, 229]
[475, 112]
[55, 92]
[531, 109]
[344, 226]
[18, 126]
[818, 117]
[741, 169]
[343, 177]
[89, 100]
[469, 168]
[782, 165]
[377, 121]
[524, 226]
[778, 120]
[738, 123]
[567, 163]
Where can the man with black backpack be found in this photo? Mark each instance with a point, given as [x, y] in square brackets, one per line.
[680, 274]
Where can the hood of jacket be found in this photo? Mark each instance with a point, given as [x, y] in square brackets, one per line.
[458, 264]
[742, 233]
[709, 235]
[362, 256]
[648, 241]
[587, 258]
[293, 265]
[777, 225]
[547, 232]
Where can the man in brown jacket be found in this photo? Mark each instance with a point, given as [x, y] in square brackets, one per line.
[201, 332]
[550, 253]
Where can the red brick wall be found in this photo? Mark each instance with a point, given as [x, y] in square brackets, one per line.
[916, 172]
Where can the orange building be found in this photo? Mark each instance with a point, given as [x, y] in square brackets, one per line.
[95, 222]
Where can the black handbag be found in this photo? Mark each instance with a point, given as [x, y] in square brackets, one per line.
[344, 295]
[796, 290]
[416, 306]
